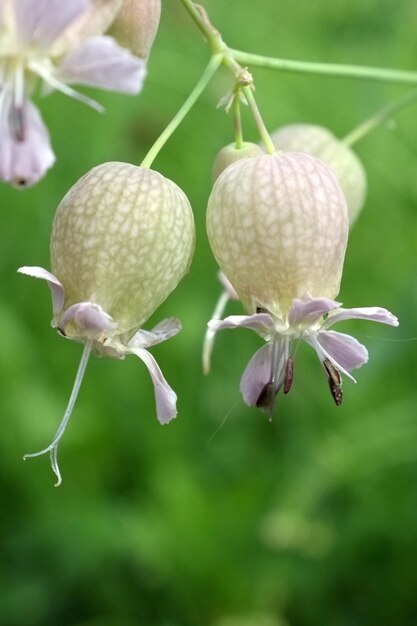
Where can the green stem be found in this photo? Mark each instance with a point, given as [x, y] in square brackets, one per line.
[379, 118]
[238, 121]
[212, 67]
[329, 69]
[269, 146]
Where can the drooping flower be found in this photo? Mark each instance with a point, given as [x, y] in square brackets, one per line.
[277, 225]
[60, 43]
[342, 160]
[122, 238]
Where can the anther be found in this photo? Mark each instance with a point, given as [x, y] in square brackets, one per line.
[335, 381]
[289, 374]
[18, 123]
[266, 399]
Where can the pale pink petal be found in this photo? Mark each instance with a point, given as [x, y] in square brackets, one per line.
[371, 313]
[344, 351]
[161, 332]
[165, 396]
[90, 320]
[101, 62]
[42, 21]
[55, 285]
[228, 287]
[24, 160]
[262, 323]
[307, 310]
[94, 21]
[256, 375]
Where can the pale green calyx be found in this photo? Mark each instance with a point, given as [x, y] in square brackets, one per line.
[278, 225]
[323, 144]
[122, 238]
[231, 153]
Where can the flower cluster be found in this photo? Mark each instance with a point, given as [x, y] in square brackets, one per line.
[61, 43]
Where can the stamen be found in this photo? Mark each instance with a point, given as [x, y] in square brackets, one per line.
[53, 447]
[289, 374]
[210, 334]
[335, 381]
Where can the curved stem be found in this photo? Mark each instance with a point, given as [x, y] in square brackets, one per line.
[205, 78]
[269, 146]
[379, 118]
[327, 69]
[53, 446]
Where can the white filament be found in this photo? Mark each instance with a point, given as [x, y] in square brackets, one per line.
[53, 446]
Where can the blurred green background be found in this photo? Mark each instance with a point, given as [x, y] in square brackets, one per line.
[310, 520]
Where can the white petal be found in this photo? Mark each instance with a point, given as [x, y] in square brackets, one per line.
[101, 62]
[42, 21]
[344, 351]
[24, 162]
[90, 320]
[256, 375]
[161, 332]
[94, 21]
[371, 313]
[165, 396]
[306, 311]
[55, 285]
[262, 323]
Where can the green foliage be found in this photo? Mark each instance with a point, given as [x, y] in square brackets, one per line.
[306, 521]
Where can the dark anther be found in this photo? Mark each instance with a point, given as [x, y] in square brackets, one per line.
[259, 309]
[289, 374]
[61, 332]
[266, 398]
[335, 381]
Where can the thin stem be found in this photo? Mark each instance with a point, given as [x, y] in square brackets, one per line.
[237, 121]
[379, 118]
[210, 335]
[53, 446]
[327, 69]
[269, 146]
[205, 78]
[241, 75]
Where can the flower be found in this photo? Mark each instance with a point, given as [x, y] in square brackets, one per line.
[60, 43]
[308, 319]
[122, 239]
[278, 225]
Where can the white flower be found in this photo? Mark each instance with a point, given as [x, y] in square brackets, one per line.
[61, 43]
[309, 319]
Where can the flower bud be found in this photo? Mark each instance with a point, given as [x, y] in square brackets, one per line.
[321, 143]
[136, 25]
[230, 153]
[123, 237]
[278, 225]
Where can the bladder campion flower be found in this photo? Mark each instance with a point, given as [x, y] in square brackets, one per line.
[278, 225]
[342, 160]
[61, 43]
[122, 238]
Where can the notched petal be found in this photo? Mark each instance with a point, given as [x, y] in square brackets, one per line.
[161, 332]
[256, 376]
[307, 310]
[86, 320]
[101, 62]
[165, 396]
[371, 313]
[55, 285]
[262, 323]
